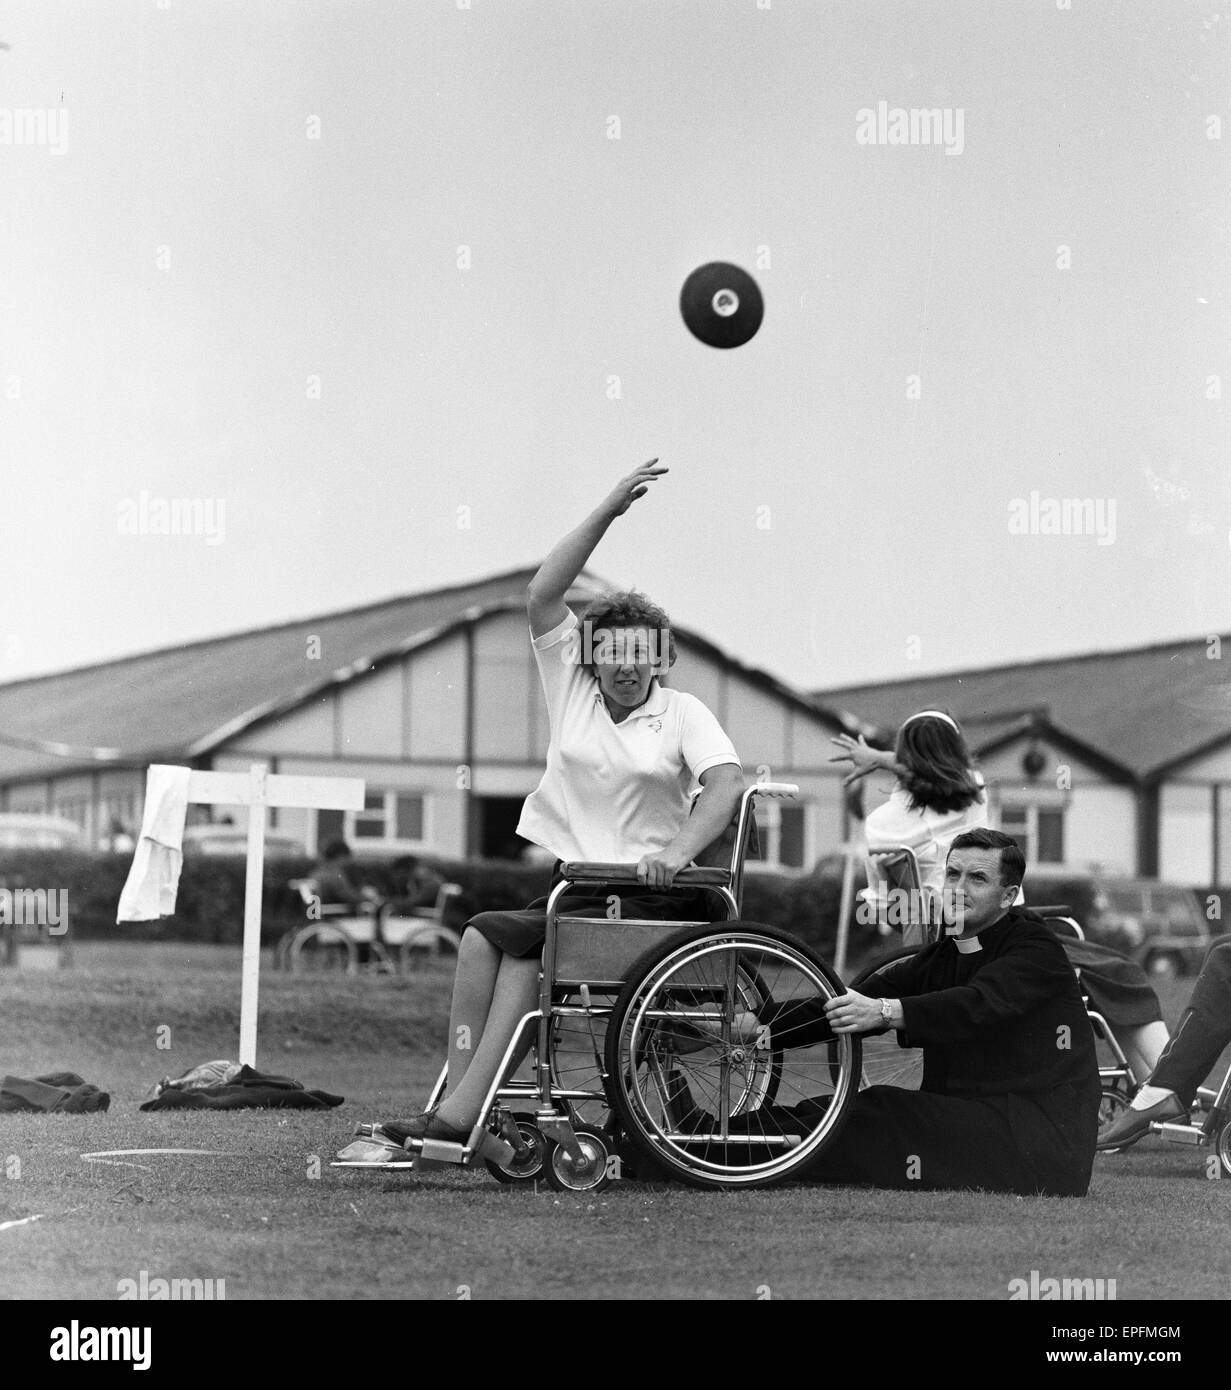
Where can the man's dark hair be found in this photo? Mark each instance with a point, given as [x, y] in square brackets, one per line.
[1012, 860]
[335, 849]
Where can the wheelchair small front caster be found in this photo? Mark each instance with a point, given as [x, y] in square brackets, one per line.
[588, 1172]
[527, 1162]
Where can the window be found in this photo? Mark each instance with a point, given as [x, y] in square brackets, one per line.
[74, 808]
[783, 832]
[389, 819]
[1038, 829]
[119, 809]
[369, 824]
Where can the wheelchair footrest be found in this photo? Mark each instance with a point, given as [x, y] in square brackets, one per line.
[490, 1148]
[1178, 1133]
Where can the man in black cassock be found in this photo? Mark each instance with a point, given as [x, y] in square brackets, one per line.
[1010, 1094]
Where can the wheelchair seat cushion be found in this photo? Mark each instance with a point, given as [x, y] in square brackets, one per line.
[522, 932]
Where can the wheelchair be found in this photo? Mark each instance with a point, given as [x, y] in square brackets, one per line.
[896, 869]
[391, 941]
[635, 1058]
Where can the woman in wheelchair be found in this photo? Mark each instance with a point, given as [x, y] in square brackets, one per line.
[624, 752]
[938, 794]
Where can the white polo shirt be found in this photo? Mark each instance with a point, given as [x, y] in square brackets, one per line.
[614, 792]
[929, 833]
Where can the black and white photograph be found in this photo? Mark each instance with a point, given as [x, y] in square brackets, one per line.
[615, 666]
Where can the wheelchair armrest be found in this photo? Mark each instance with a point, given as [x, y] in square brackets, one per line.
[627, 873]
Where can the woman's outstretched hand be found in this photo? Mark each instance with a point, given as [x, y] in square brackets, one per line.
[627, 490]
[864, 760]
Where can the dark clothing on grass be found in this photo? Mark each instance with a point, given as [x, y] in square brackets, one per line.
[250, 1090]
[1010, 1094]
[59, 1092]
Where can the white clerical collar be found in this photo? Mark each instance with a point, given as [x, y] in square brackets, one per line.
[968, 945]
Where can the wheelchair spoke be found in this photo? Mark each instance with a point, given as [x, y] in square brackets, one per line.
[707, 1097]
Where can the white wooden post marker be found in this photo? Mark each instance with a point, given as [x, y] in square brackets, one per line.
[259, 789]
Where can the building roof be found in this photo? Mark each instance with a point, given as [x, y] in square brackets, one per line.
[1145, 709]
[178, 703]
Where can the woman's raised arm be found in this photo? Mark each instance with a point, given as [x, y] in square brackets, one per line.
[556, 575]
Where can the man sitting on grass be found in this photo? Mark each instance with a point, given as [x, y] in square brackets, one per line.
[1010, 1094]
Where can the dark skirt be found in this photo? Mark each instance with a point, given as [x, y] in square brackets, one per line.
[522, 933]
[1117, 986]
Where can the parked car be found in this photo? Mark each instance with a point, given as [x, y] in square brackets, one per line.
[33, 830]
[1160, 925]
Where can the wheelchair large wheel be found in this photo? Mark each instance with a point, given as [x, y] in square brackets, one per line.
[884, 1062]
[1222, 1145]
[578, 1053]
[709, 1102]
[321, 948]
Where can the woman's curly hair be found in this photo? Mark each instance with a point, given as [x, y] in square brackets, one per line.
[939, 767]
[628, 608]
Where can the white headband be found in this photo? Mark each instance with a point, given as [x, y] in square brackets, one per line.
[932, 714]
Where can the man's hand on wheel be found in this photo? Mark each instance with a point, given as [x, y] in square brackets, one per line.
[854, 1013]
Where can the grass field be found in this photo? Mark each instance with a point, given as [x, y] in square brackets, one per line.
[259, 1220]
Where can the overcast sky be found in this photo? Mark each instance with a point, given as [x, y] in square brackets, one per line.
[233, 272]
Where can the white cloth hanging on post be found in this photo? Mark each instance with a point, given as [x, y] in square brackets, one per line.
[149, 891]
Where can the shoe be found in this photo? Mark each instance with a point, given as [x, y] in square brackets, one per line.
[413, 1127]
[1131, 1125]
[489, 1148]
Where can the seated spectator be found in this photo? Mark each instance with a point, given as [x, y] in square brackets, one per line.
[938, 794]
[415, 884]
[1204, 1031]
[332, 874]
[1010, 1094]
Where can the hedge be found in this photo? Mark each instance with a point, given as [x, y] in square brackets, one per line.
[210, 902]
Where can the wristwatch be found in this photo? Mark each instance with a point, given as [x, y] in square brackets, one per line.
[886, 1011]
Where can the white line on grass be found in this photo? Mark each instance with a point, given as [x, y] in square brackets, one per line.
[25, 1221]
[104, 1154]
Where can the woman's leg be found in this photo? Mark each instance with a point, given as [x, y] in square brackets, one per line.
[1143, 1047]
[474, 985]
[516, 993]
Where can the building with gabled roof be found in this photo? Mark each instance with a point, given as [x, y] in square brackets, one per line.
[1121, 758]
[433, 698]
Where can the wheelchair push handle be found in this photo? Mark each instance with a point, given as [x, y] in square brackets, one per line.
[785, 790]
